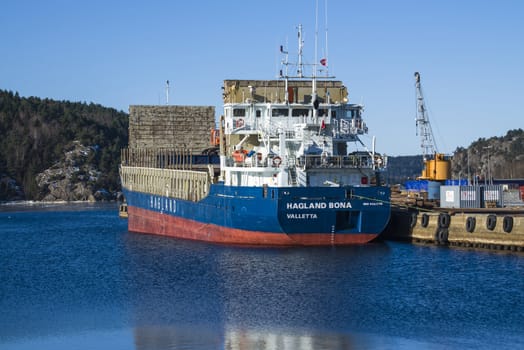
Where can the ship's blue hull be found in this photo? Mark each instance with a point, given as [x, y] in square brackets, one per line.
[266, 215]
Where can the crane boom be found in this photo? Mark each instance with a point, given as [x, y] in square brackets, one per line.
[427, 142]
[437, 166]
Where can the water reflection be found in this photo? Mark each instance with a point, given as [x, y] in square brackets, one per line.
[241, 298]
[347, 297]
[174, 281]
[153, 338]
[77, 279]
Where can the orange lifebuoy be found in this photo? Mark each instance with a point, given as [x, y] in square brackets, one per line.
[239, 155]
[277, 161]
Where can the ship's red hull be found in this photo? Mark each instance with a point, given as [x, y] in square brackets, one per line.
[152, 222]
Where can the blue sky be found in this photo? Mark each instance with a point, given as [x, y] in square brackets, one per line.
[469, 53]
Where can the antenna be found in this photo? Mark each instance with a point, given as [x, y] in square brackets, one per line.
[300, 69]
[167, 92]
[316, 40]
[314, 98]
[300, 65]
[284, 62]
[325, 60]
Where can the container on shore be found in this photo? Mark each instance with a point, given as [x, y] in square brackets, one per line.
[434, 190]
[493, 196]
[460, 197]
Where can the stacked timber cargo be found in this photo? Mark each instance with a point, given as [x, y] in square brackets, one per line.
[171, 127]
[165, 151]
[408, 197]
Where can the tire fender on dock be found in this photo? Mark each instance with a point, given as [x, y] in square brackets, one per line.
[413, 220]
[471, 222]
[425, 220]
[444, 220]
[491, 222]
[426, 229]
[507, 224]
[441, 236]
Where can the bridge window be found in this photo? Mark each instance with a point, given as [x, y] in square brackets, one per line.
[300, 112]
[353, 113]
[239, 112]
[280, 112]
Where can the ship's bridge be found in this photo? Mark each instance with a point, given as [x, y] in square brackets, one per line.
[339, 120]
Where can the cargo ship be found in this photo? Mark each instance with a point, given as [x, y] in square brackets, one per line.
[286, 166]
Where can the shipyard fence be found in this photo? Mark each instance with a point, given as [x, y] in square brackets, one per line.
[173, 183]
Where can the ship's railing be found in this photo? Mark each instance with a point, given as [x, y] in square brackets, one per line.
[363, 160]
[180, 184]
[323, 161]
[164, 158]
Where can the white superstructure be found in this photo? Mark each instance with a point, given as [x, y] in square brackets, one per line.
[294, 131]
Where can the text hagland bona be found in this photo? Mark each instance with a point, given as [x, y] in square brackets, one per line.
[319, 205]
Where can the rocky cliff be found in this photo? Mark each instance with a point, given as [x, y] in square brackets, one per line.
[498, 157]
[72, 178]
[59, 150]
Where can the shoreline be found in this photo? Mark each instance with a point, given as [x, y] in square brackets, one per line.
[12, 206]
[31, 202]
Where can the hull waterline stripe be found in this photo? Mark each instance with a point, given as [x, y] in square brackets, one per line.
[151, 222]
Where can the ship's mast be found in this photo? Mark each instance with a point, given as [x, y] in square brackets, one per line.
[167, 92]
[424, 130]
[325, 59]
[300, 65]
[286, 64]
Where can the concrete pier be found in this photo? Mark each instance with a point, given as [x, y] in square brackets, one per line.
[501, 231]
[487, 231]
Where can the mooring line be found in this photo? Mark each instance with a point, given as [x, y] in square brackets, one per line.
[397, 205]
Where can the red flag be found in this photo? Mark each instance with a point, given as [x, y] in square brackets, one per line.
[323, 125]
[323, 61]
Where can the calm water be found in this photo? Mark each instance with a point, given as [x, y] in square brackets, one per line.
[72, 277]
